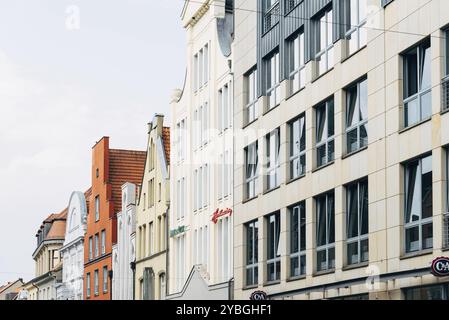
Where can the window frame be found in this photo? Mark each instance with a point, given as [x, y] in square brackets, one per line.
[97, 208]
[88, 285]
[105, 279]
[421, 222]
[273, 85]
[273, 166]
[329, 245]
[418, 96]
[357, 28]
[275, 260]
[251, 97]
[349, 128]
[269, 13]
[299, 254]
[103, 241]
[253, 179]
[327, 140]
[328, 50]
[361, 237]
[96, 283]
[252, 233]
[301, 154]
[296, 52]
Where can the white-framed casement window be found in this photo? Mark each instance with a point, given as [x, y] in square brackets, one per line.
[418, 222]
[355, 19]
[103, 241]
[357, 222]
[224, 249]
[325, 231]
[357, 116]
[298, 240]
[162, 287]
[180, 258]
[251, 169]
[273, 159]
[201, 67]
[206, 63]
[273, 249]
[195, 72]
[445, 82]
[273, 80]
[105, 279]
[297, 147]
[96, 284]
[97, 208]
[88, 285]
[417, 84]
[291, 4]
[252, 253]
[251, 99]
[90, 248]
[325, 131]
[324, 28]
[181, 140]
[97, 248]
[181, 198]
[296, 62]
[271, 10]
[205, 124]
[151, 238]
[224, 108]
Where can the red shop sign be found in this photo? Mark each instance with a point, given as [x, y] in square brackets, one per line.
[221, 213]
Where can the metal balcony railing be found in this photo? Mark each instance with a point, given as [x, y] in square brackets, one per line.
[446, 230]
[445, 94]
[290, 4]
[271, 17]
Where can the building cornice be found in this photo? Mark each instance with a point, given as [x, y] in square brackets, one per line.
[197, 15]
[46, 242]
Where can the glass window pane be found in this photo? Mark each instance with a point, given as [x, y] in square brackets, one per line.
[321, 156]
[302, 228]
[321, 221]
[331, 218]
[427, 236]
[352, 111]
[363, 193]
[426, 105]
[412, 113]
[412, 195]
[412, 239]
[353, 253]
[364, 250]
[330, 115]
[321, 260]
[363, 136]
[411, 73]
[426, 188]
[352, 140]
[353, 211]
[321, 123]
[331, 151]
[425, 65]
[294, 267]
[294, 235]
[331, 253]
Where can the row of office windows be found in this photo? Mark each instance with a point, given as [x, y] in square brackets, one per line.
[94, 247]
[156, 237]
[97, 282]
[418, 225]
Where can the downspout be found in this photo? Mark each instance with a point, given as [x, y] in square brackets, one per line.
[167, 250]
[110, 284]
[133, 268]
[34, 285]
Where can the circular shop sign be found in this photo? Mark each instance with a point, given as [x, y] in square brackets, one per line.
[440, 267]
[259, 295]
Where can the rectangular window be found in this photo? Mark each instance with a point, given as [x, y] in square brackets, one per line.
[446, 215]
[355, 19]
[103, 241]
[252, 253]
[357, 116]
[195, 72]
[296, 62]
[324, 27]
[105, 279]
[445, 82]
[273, 248]
[357, 222]
[206, 63]
[97, 251]
[297, 147]
[90, 248]
[271, 10]
[291, 4]
[436, 292]
[298, 240]
[273, 161]
[88, 285]
[418, 205]
[325, 231]
[151, 239]
[200, 68]
[417, 84]
[325, 130]
[96, 288]
[97, 208]
[272, 80]
[251, 169]
[224, 108]
[251, 96]
[181, 140]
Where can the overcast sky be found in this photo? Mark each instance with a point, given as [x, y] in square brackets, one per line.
[70, 73]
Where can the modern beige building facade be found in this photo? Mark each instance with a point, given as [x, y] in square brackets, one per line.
[153, 209]
[201, 177]
[341, 159]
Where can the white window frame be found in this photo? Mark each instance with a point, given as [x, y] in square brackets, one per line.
[296, 62]
[296, 153]
[103, 241]
[105, 279]
[273, 152]
[354, 12]
[300, 208]
[325, 48]
[274, 219]
[327, 140]
[88, 289]
[328, 246]
[251, 96]
[252, 267]
[251, 182]
[97, 245]
[96, 284]
[97, 208]
[360, 122]
[273, 80]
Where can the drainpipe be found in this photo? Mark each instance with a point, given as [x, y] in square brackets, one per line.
[110, 283]
[37, 297]
[167, 251]
[133, 268]
[231, 289]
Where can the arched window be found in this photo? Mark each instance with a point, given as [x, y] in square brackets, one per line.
[162, 286]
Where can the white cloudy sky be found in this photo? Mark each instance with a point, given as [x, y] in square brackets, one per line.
[61, 90]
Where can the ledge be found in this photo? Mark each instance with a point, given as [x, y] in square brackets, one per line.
[322, 75]
[271, 283]
[255, 286]
[250, 199]
[271, 190]
[416, 254]
[250, 123]
[355, 266]
[324, 166]
[298, 278]
[323, 273]
[269, 110]
[353, 54]
[291, 95]
[296, 179]
[415, 125]
[444, 111]
[348, 155]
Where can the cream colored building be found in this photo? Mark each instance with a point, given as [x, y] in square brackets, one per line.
[153, 209]
[200, 258]
[348, 195]
[50, 239]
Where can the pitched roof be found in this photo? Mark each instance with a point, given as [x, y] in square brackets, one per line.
[57, 229]
[87, 196]
[166, 140]
[9, 284]
[124, 166]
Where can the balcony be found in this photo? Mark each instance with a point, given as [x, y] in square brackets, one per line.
[271, 17]
[445, 94]
[446, 231]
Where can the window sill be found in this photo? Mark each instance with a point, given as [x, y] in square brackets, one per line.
[245, 288]
[356, 266]
[322, 75]
[250, 199]
[445, 249]
[324, 166]
[323, 273]
[298, 278]
[348, 155]
[271, 109]
[271, 190]
[272, 283]
[444, 111]
[269, 29]
[353, 54]
[415, 125]
[249, 123]
[295, 179]
[292, 94]
[416, 254]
